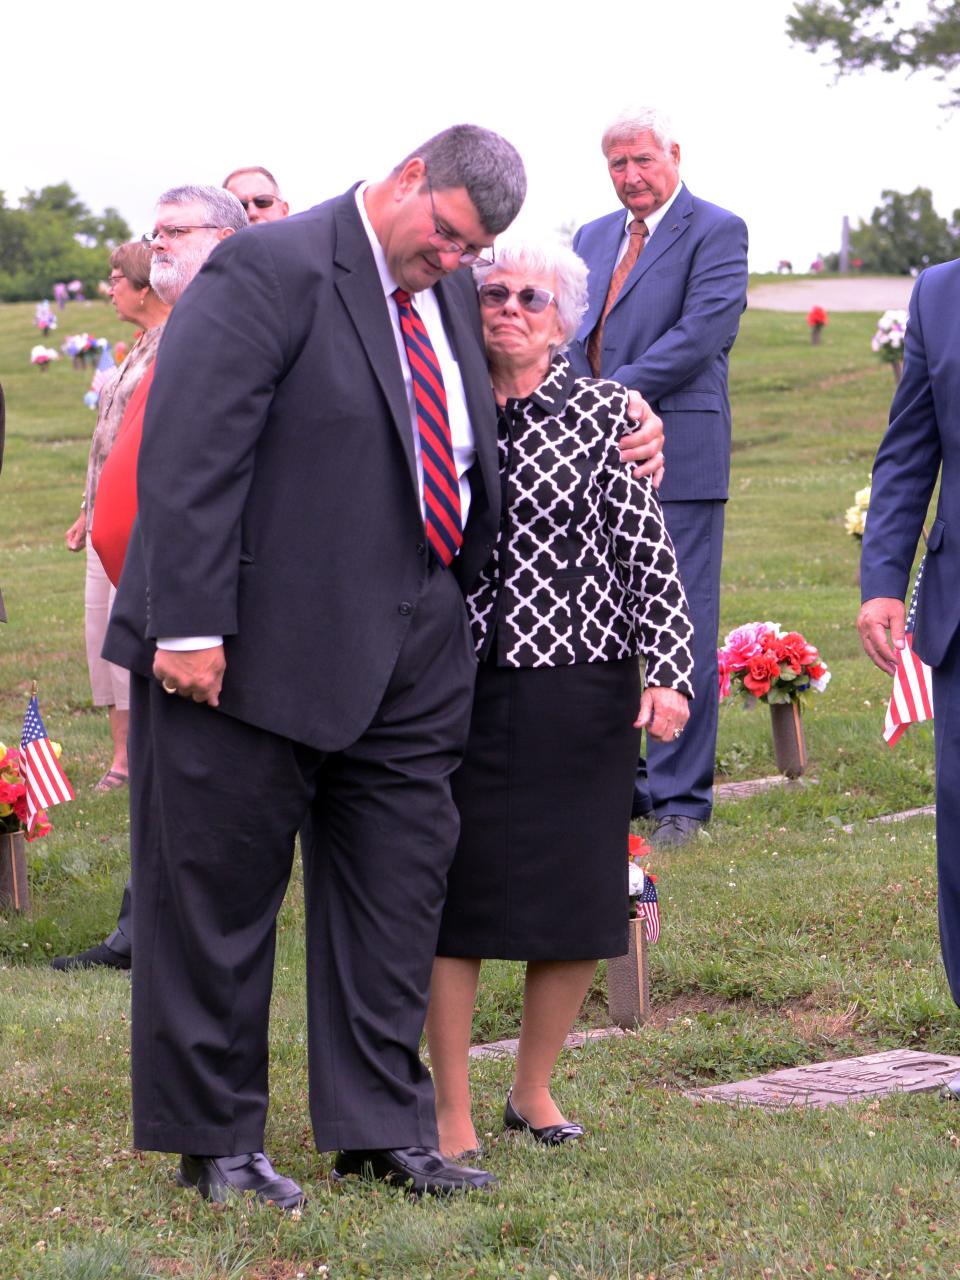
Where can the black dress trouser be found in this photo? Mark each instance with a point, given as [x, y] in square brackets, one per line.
[215, 808]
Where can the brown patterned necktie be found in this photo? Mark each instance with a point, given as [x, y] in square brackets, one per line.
[638, 234]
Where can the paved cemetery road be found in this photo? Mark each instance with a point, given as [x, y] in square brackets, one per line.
[855, 293]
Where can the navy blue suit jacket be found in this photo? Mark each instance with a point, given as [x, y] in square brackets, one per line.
[923, 436]
[671, 329]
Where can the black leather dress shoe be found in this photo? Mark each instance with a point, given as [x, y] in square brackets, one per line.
[674, 829]
[220, 1177]
[551, 1135]
[421, 1170]
[100, 956]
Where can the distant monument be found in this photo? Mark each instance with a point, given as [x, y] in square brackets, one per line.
[844, 264]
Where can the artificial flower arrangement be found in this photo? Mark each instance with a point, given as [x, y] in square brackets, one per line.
[817, 319]
[42, 356]
[642, 891]
[887, 342]
[855, 518]
[13, 795]
[759, 662]
[79, 346]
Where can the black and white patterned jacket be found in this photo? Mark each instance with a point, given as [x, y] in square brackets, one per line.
[584, 569]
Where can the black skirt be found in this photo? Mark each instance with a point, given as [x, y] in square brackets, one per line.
[544, 795]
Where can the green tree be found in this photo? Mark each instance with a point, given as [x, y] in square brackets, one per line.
[905, 232]
[52, 236]
[871, 33]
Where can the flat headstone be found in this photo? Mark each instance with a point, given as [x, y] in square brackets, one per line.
[751, 787]
[824, 1084]
[927, 811]
[576, 1039]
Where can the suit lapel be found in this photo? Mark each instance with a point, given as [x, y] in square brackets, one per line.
[358, 284]
[599, 279]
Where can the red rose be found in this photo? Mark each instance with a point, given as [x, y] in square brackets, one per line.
[761, 673]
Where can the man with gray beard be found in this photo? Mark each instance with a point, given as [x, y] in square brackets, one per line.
[189, 224]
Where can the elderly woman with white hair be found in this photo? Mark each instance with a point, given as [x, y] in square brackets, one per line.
[582, 583]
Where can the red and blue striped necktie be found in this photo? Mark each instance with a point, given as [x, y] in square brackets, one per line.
[441, 489]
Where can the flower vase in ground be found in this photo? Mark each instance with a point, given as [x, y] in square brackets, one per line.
[628, 980]
[887, 342]
[14, 890]
[789, 744]
[816, 319]
[761, 663]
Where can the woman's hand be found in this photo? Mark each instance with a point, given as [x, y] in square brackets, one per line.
[76, 535]
[663, 713]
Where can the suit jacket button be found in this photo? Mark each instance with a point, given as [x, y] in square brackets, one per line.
[406, 608]
[421, 548]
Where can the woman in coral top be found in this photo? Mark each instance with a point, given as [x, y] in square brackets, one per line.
[135, 302]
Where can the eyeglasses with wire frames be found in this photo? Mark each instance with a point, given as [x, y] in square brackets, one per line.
[444, 240]
[531, 299]
[174, 233]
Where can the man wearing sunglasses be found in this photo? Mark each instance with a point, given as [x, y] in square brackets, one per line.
[317, 480]
[257, 191]
[668, 283]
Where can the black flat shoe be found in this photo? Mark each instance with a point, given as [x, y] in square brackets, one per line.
[218, 1178]
[551, 1135]
[422, 1170]
[100, 956]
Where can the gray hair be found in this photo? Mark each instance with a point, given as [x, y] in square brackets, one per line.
[486, 165]
[639, 120]
[253, 168]
[221, 208]
[551, 259]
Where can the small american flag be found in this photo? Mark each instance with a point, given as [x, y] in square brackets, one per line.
[648, 908]
[46, 782]
[912, 698]
[104, 366]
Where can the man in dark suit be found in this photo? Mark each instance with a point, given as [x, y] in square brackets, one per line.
[922, 441]
[302, 662]
[667, 287]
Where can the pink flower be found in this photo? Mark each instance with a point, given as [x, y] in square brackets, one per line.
[724, 669]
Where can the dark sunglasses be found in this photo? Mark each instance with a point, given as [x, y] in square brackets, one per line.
[533, 300]
[261, 202]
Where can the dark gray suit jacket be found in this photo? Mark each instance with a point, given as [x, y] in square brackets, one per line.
[277, 479]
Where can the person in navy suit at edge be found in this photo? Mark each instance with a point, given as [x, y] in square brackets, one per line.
[923, 441]
[668, 284]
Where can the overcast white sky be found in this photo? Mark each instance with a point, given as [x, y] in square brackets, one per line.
[123, 101]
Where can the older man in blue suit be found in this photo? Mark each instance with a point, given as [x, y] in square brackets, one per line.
[922, 441]
[668, 284]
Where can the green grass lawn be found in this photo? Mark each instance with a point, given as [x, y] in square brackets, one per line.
[785, 940]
